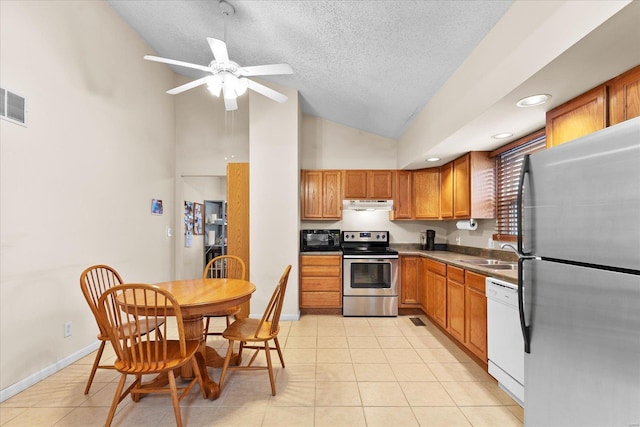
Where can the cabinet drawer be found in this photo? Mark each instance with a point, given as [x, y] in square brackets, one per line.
[331, 260]
[320, 299]
[476, 281]
[320, 284]
[320, 271]
[437, 267]
[455, 273]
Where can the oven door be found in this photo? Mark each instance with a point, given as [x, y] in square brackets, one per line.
[370, 275]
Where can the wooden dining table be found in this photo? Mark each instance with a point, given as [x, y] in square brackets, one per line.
[197, 298]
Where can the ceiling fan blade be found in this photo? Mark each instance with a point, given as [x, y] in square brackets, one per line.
[230, 102]
[187, 86]
[266, 91]
[266, 70]
[174, 62]
[219, 50]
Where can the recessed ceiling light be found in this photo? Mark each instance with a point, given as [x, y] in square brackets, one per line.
[433, 159]
[502, 135]
[533, 100]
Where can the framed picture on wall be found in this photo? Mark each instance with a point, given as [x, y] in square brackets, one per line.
[198, 217]
[188, 218]
[156, 207]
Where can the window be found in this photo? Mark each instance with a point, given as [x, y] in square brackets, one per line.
[509, 161]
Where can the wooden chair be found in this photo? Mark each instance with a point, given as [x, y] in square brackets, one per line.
[258, 333]
[94, 281]
[141, 354]
[224, 266]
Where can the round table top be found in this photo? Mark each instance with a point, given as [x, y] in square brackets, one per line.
[201, 296]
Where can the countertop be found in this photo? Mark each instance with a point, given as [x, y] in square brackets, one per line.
[454, 258]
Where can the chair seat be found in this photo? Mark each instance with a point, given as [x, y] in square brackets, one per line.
[231, 311]
[245, 330]
[172, 358]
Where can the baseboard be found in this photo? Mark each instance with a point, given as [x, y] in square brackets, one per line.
[24, 384]
[283, 316]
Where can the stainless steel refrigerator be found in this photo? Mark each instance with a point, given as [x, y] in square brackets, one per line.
[579, 293]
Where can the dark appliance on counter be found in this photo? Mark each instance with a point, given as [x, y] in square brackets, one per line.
[319, 240]
[370, 274]
[428, 240]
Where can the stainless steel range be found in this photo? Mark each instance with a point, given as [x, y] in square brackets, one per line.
[370, 274]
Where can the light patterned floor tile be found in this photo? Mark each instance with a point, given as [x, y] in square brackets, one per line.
[294, 394]
[394, 342]
[441, 417]
[382, 394]
[331, 331]
[339, 416]
[470, 393]
[386, 417]
[301, 342]
[332, 342]
[398, 356]
[335, 372]
[367, 355]
[333, 355]
[428, 393]
[363, 342]
[39, 417]
[412, 372]
[373, 372]
[286, 416]
[337, 393]
[491, 416]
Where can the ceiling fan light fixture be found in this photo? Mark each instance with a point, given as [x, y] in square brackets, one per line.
[214, 84]
[533, 100]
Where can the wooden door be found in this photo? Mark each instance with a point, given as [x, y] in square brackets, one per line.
[380, 184]
[402, 200]
[625, 96]
[462, 187]
[446, 190]
[582, 115]
[312, 194]
[439, 303]
[355, 184]
[426, 193]
[409, 279]
[455, 303]
[476, 315]
[238, 218]
[331, 195]
[423, 285]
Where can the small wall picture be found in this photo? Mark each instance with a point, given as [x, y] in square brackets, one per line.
[198, 217]
[188, 218]
[156, 207]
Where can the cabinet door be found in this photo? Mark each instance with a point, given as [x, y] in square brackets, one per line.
[476, 312]
[402, 200]
[355, 184]
[409, 277]
[462, 187]
[582, 115]
[625, 96]
[455, 303]
[312, 191]
[426, 193]
[446, 190]
[439, 299]
[423, 285]
[380, 184]
[331, 195]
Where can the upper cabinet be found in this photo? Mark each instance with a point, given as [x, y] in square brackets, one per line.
[624, 96]
[368, 184]
[582, 115]
[321, 195]
[467, 187]
[426, 193]
[403, 200]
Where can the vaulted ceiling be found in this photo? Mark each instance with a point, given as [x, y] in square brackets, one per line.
[374, 65]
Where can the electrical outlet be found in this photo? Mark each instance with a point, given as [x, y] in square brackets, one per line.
[458, 240]
[169, 232]
[67, 329]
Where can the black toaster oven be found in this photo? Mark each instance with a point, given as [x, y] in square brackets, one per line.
[319, 240]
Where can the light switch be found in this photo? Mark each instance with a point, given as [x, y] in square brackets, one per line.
[169, 232]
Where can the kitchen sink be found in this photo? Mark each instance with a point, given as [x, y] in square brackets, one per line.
[477, 261]
[501, 266]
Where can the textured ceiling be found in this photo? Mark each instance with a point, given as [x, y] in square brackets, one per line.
[371, 65]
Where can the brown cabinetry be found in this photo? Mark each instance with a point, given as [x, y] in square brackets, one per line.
[476, 314]
[582, 115]
[426, 193]
[368, 184]
[403, 197]
[320, 281]
[409, 281]
[467, 188]
[624, 92]
[455, 302]
[321, 194]
[436, 289]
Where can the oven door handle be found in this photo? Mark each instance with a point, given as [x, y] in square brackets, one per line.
[371, 257]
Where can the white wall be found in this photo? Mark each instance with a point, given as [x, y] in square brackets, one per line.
[77, 183]
[274, 198]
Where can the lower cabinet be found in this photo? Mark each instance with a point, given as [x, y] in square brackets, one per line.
[409, 281]
[476, 314]
[320, 281]
[436, 289]
[455, 302]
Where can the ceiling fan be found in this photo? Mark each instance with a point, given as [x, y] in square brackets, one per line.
[227, 76]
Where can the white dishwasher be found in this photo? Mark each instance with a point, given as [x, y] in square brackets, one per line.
[505, 345]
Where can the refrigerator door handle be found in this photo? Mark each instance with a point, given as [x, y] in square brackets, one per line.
[519, 208]
[526, 329]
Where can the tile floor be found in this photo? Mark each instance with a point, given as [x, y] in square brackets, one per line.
[339, 372]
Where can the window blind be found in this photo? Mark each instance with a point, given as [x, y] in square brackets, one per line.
[508, 167]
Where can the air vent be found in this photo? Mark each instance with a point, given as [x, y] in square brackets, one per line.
[13, 107]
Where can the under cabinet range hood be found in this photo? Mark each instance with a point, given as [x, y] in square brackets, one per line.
[367, 205]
